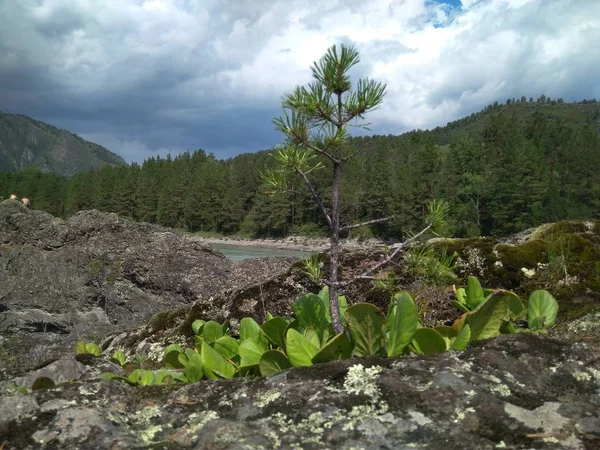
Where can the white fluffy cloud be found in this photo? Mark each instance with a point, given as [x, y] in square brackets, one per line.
[215, 70]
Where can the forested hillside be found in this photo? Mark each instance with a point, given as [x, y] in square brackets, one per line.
[504, 169]
[26, 142]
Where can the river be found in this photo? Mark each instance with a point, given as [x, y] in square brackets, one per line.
[239, 252]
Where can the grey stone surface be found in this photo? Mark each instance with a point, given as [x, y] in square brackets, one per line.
[519, 392]
[95, 274]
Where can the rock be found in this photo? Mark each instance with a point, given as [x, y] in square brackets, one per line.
[95, 274]
[562, 257]
[518, 391]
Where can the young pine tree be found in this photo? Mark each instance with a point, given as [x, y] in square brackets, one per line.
[315, 122]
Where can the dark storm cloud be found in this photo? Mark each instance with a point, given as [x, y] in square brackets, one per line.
[158, 76]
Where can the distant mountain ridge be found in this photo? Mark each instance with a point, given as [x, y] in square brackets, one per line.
[26, 142]
[574, 115]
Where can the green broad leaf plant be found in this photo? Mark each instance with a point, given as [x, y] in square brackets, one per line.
[281, 343]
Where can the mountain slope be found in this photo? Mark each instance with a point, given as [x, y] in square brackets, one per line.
[573, 115]
[26, 142]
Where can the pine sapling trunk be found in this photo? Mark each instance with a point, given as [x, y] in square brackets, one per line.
[334, 305]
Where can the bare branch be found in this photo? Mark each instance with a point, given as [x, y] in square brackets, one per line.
[369, 222]
[413, 238]
[316, 196]
[398, 248]
[367, 278]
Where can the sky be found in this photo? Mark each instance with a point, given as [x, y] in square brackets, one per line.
[148, 77]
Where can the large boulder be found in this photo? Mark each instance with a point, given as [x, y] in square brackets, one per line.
[97, 273]
[517, 392]
[562, 257]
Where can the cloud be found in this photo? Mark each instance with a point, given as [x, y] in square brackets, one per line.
[168, 75]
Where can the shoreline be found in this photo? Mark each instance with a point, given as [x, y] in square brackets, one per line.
[290, 243]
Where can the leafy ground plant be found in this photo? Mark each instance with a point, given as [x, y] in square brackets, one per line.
[81, 348]
[540, 310]
[280, 343]
[312, 267]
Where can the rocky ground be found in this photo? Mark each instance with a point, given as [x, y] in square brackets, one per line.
[519, 391]
[97, 273]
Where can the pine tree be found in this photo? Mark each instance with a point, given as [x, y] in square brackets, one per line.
[326, 106]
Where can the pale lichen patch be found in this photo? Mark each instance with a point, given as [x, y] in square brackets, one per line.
[595, 373]
[423, 387]
[501, 389]
[545, 417]
[88, 390]
[266, 398]
[494, 378]
[225, 402]
[147, 435]
[460, 414]
[419, 418]
[143, 418]
[510, 377]
[582, 376]
[358, 379]
[197, 421]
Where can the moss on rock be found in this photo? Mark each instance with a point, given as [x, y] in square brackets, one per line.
[562, 257]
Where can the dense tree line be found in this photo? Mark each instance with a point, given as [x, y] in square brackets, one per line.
[509, 173]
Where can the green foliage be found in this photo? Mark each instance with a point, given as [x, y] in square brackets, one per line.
[401, 323]
[338, 347]
[366, 323]
[280, 343]
[486, 321]
[423, 263]
[300, 350]
[249, 329]
[275, 330]
[118, 357]
[542, 309]
[309, 229]
[21, 389]
[362, 234]
[437, 212]
[272, 362]
[311, 312]
[501, 170]
[428, 341]
[212, 331]
[81, 348]
[388, 283]
[462, 338]
[558, 249]
[171, 356]
[197, 326]
[470, 298]
[193, 369]
[489, 313]
[312, 267]
[343, 303]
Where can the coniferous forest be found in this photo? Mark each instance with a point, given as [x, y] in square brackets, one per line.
[506, 168]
